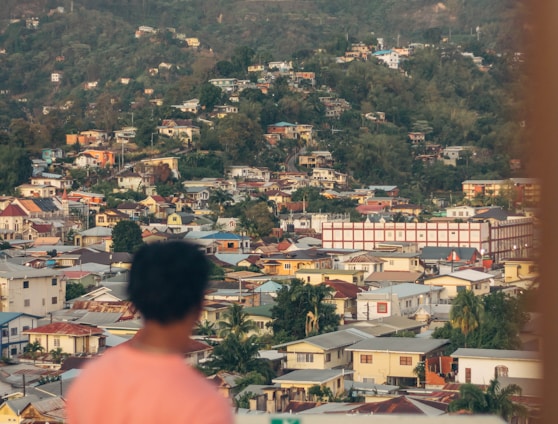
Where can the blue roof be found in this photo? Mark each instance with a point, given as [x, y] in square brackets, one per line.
[283, 124]
[232, 258]
[6, 317]
[223, 236]
[269, 286]
[381, 52]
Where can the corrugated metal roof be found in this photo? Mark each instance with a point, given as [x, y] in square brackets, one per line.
[311, 376]
[328, 341]
[403, 290]
[398, 344]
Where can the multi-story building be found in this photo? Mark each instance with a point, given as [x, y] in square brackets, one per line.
[496, 239]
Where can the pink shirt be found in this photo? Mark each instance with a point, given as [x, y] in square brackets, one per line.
[127, 385]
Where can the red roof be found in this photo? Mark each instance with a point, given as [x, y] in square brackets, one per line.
[42, 228]
[65, 329]
[13, 210]
[344, 290]
[364, 209]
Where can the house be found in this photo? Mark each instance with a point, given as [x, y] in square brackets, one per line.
[151, 165]
[129, 180]
[225, 84]
[183, 129]
[479, 366]
[388, 57]
[157, 206]
[109, 218]
[190, 106]
[125, 135]
[324, 351]
[432, 256]
[318, 276]
[290, 262]
[262, 317]
[398, 300]
[520, 271]
[248, 173]
[103, 158]
[227, 242]
[329, 178]
[364, 262]
[56, 180]
[71, 338]
[11, 409]
[453, 283]
[388, 278]
[316, 159]
[29, 290]
[197, 352]
[86, 160]
[303, 380]
[95, 235]
[12, 326]
[391, 360]
[12, 220]
[344, 297]
[48, 410]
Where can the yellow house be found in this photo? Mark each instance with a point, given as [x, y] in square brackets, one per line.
[213, 311]
[289, 263]
[518, 270]
[10, 410]
[318, 276]
[391, 360]
[71, 338]
[344, 297]
[468, 279]
[321, 352]
[261, 315]
[334, 379]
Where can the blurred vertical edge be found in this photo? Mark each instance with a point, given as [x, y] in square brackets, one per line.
[544, 69]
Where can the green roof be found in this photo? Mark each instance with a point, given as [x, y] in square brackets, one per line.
[262, 310]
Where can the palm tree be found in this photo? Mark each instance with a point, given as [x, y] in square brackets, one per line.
[33, 349]
[465, 313]
[220, 198]
[495, 400]
[236, 322]
[58, 355]
[242, 356]
[206, 328]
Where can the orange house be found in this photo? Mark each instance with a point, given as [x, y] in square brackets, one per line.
[103, 157]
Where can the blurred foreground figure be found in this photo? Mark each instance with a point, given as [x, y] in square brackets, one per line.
[146, 380]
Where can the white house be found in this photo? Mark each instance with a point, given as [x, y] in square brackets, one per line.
[30, 290]
[398, 300]
[12, 325]
[479, 366]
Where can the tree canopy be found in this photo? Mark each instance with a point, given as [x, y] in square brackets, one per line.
[126, 237]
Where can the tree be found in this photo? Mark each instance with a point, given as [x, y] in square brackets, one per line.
[209, 96]
[58, 355]
[292, 306]
[258, 220]
[236, 322]
[495, 400]
[126, 237]
[33, 350]
[74, 290]
[465, 313]
[237, 355]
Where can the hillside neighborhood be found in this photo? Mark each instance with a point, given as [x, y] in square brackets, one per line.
[348, 274]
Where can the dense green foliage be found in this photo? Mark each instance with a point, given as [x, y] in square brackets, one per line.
[126, 237]
[439, 91]
[293, 303]
[495, 400]
[490, 322]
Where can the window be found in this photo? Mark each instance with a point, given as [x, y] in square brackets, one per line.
[500, 371]
[365, 359]
[27, 302]
[54, 282]
[13, 351]
[230, 245]
[338, 354]
[13, 331]
[405, 360]
[286, 266]
[382, 307]
[467, 375]
[4, 332]
[26, 284]
[328, 357]
[304, 357]
[25, 328]
[54, 300]
[56, 341]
